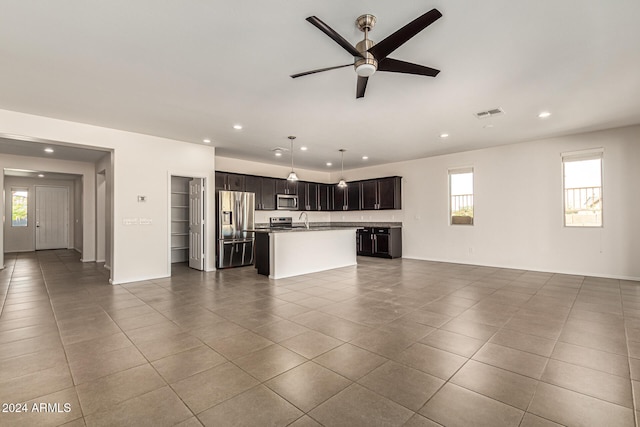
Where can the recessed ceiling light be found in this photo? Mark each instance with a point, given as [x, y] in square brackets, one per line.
[544, 114]
[365, 157]
[329, 164]
[237, 127]
[444, 135]
[40, 175]
[48, 150]
[303, 148]
[206, 141]
[278, 153]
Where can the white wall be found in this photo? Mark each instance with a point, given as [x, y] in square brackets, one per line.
[142, 165]
[23, 239]
[518, 207]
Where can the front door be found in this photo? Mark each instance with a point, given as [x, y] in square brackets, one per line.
[52, 218]
[196, 224]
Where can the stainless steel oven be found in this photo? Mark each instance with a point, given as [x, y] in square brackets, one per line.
[287, 202]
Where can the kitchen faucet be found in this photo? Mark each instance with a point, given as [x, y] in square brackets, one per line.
[306, 219]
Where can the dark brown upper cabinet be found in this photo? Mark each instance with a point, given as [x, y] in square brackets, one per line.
[325, 197]
[268, 199]
[284, 186]
[382, 193]
[229, 181]
[370, 194]
[353, 197]
[308, 196]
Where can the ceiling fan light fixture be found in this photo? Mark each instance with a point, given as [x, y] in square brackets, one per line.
[365, 70]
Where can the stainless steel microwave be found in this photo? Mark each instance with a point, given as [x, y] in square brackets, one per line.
[287, 202]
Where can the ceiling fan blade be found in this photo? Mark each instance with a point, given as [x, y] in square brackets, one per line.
[319, 70]
[396, 66]
[397, 39]
[334, 35]
[362, 86]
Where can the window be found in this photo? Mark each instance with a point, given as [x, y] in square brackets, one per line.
[19, 199]
[461, 196]
[582, 185]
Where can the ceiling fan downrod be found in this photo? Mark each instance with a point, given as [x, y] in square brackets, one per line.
[365, 65]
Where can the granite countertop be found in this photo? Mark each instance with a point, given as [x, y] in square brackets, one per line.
[303, 228]
[261, 227]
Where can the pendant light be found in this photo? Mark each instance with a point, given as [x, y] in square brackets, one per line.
[342, 183]
[292, 175]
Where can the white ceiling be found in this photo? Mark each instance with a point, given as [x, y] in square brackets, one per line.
[191, 69]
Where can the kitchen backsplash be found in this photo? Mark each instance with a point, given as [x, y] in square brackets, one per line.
[346, 216]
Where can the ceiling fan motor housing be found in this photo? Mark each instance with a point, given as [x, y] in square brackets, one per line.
[367, 64]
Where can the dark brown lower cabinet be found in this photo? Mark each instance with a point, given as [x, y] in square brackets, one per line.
[262, 263]
[384, 242]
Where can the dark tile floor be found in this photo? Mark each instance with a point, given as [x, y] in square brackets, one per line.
[391, 342]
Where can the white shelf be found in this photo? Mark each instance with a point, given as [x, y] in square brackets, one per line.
[179, 219]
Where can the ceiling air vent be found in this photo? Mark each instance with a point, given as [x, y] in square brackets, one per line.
[279, 149]
[489, 113]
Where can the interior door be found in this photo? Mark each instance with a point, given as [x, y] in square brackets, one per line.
[196, 223]
[52, 218]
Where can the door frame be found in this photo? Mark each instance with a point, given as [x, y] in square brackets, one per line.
[101, 216]
[205, 229]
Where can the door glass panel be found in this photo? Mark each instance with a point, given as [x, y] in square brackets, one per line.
[19, 202]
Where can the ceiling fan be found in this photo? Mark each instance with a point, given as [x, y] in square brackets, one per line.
[370, 57]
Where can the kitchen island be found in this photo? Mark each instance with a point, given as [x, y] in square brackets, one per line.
[296, 251]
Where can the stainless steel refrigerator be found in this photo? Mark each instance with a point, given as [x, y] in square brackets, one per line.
[236, 237]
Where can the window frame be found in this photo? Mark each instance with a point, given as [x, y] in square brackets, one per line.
[456, 171]
[15, 190]
[577, 156]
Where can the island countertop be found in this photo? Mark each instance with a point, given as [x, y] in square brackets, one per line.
[264, 227]
[297, 229]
